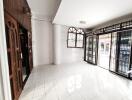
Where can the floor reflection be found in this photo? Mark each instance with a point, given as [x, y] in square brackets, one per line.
[74, 83]
[80, 81]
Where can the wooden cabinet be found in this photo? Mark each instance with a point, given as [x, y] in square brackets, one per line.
[20, 10]
[30, 51]
[18, 58]
[26, 48]
[17, 13]
[14, 56]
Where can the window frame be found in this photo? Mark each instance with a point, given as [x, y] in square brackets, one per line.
[76, 32]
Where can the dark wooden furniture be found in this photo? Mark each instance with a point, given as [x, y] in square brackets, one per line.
[17, 13]
[20, 10]
[14, 56]
[26, 48]
[30, 50]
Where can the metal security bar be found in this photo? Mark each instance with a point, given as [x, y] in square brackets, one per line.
[113, 28]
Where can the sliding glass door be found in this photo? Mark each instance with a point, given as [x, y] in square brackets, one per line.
[131, 67]
[113, 57]
[124, 54]
[121, 53]
[91, 49]
[86, 48]
[95, 49]
[104, 50]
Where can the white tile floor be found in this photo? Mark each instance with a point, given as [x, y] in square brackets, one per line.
[80, 81]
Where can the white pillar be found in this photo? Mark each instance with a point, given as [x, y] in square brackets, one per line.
[4, 69]
[1, 85]
[57, 43]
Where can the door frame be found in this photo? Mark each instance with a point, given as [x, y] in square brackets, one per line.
[118, 52]
[3, 57]
[109, 51]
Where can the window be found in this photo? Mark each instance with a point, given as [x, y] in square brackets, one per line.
[71, 37]
[75, 38]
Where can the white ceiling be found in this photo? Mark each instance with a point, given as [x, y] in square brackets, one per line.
[94, 12]
[44, 9]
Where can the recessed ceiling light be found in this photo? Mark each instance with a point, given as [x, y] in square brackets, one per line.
[82, 22]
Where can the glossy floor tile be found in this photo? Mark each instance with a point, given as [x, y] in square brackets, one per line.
[78, 81]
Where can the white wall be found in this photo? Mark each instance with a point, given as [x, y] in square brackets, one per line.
[66, 55]
[4, 69]
[1, 86]
[69, 55]
[51, 46]
[42, 42]
[57, 44]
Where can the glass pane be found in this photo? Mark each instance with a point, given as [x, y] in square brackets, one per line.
[94, 49]
[131, 71]
[72, 30]
[79, 40]
[71, 43]
[87, 44]
[72, 36]
[12, 90]
[7, 37]
[9, 63]
[71, 40]
[113, 52]
[90, 49]
[80, 31]
[104, 50]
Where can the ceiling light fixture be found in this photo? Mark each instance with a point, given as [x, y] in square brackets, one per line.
[82, 22]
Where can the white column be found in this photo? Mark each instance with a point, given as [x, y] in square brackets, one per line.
[4, 69]
[57, 43]
[1, 86]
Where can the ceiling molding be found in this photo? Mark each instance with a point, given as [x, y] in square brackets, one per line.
[41, 17]
[114, 21]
